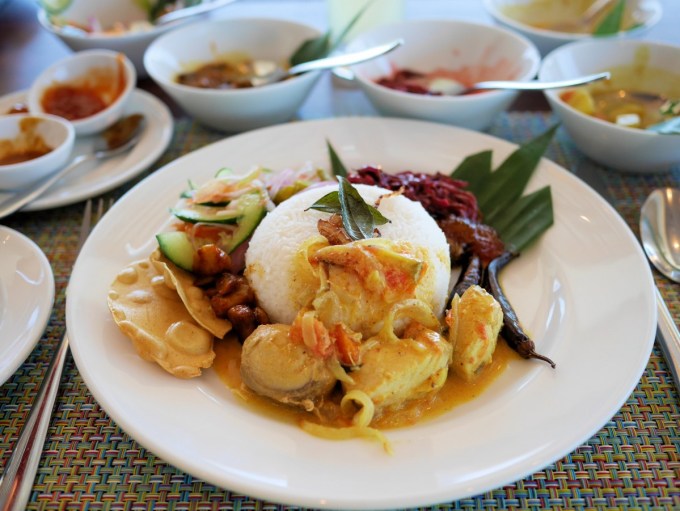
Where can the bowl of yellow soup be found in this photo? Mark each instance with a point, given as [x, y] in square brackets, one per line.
[630, 122]
[552, 23]
[32, 147]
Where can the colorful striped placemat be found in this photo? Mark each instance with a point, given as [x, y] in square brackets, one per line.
[89, 463]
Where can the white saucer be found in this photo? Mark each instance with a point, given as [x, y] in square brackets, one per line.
[98, 177]
[26, 298]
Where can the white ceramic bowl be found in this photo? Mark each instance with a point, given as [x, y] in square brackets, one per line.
[133, 43]
[644, 15]
[618, 147]
[56, 132]
[232, 110]
[110, 73]
[482, 52]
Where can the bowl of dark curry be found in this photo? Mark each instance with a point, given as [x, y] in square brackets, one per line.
[89, 88]
[31, 147]
[212, 69]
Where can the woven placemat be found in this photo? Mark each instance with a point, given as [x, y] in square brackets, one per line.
[89, 463]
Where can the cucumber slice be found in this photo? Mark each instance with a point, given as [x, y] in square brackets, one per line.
[205, 214]
[253, 211]
[224, 172]
[177, 247]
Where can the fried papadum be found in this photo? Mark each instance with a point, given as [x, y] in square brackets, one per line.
[152, 314]
[194, 298]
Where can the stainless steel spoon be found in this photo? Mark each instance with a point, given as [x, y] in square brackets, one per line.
[660, 236]
[269, 72]
[454, 88]
[187, 12]
[116, 139]
[660, 231]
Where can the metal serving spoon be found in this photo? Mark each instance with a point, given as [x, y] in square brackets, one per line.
[454, 88]
[194, 10]
[116, 139]
[660, 236]
[267, 72]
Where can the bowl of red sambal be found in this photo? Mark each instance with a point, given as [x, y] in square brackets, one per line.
[89, 88]
[424, 77]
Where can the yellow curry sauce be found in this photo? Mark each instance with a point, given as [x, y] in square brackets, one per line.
[455, 391]
[232, 70]
[28, 144]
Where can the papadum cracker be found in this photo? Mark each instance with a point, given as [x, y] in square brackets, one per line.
[153, 316]
[195, 300]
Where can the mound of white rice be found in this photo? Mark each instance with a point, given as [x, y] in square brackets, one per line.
[269, 259]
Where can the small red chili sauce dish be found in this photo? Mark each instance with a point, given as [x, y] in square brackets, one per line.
[89, 88]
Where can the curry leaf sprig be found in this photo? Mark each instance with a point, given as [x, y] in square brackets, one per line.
[671, 126]
[670, 107]
[338, 168]
[324, 45]
[612, 23]
[359, 219]
[158, 8]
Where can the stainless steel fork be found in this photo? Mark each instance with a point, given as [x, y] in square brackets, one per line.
[17, 480]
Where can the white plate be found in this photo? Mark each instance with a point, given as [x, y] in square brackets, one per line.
[26, 298]
[91, 179]
[585, 292]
